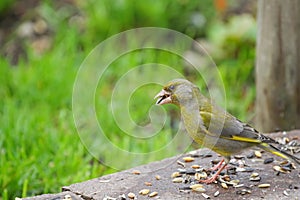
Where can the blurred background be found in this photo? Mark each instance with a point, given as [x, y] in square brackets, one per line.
[42, 45]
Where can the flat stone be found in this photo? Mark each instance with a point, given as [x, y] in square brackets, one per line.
[124, 182]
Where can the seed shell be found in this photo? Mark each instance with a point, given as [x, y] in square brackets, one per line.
[216, 193]
[144, 191]
[264, 185]
[157, 177]
[175, 174]
[131, 195]
[136, 172]
[153, 194]
[148, 184]
[224, 185]
[257, 154]
[205, 196]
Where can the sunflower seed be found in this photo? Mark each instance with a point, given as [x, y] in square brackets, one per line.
[157, 177]
[180, 163]
[286, 193]
[264, 185]
[250, 155]
[153, 194]
[268, 160]
[144, 191]
[281, 169]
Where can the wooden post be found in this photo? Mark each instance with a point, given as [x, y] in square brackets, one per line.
[278, 65]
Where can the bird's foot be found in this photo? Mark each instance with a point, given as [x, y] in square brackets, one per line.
[217, 166]
[210, 180]
[215, 176]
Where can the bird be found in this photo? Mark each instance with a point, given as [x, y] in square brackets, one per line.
[212, 127]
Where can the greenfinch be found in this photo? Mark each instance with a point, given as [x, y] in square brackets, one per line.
[213, 127]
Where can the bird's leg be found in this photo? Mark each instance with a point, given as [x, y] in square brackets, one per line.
[215, 176]
[217, 166]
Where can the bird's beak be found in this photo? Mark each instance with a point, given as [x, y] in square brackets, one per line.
[164, 97]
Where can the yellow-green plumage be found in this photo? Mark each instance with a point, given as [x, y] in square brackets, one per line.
[211, 126]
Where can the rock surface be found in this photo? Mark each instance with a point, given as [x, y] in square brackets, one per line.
[113, 186]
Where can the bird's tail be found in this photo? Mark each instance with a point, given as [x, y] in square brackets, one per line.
[274, 150]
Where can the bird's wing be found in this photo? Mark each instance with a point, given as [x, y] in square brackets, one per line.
[228, 127]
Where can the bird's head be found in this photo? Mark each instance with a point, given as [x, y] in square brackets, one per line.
[177, 91]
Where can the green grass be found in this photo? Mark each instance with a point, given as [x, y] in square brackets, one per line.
[39, 146]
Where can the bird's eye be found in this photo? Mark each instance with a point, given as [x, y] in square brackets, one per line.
[171, 87]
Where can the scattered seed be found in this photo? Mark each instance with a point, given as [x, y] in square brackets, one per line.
[188, 159]
[285, 162]
[199, 176]
[239, 156]
[286, 193]
[268, 160]
[157, 177]
[242, 169]
[224, 185]
[234, 182]
[226, 178]
[175, 174]
[216, 193]
[195, 166]
[136, 172]
[238, 186]
[144, 191]
[196, 186]
[190, 172]
[177, 180]
[254, 174]
[131, 195]
[193, 153]
[180, 163]
[250, 155]
[153, 194]
[264, 185]
[257, 154]
[243, 192]
[181, 171]
[281, 169]
[109, 198]
[255, 178]
[205, 196]
[148, 184]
